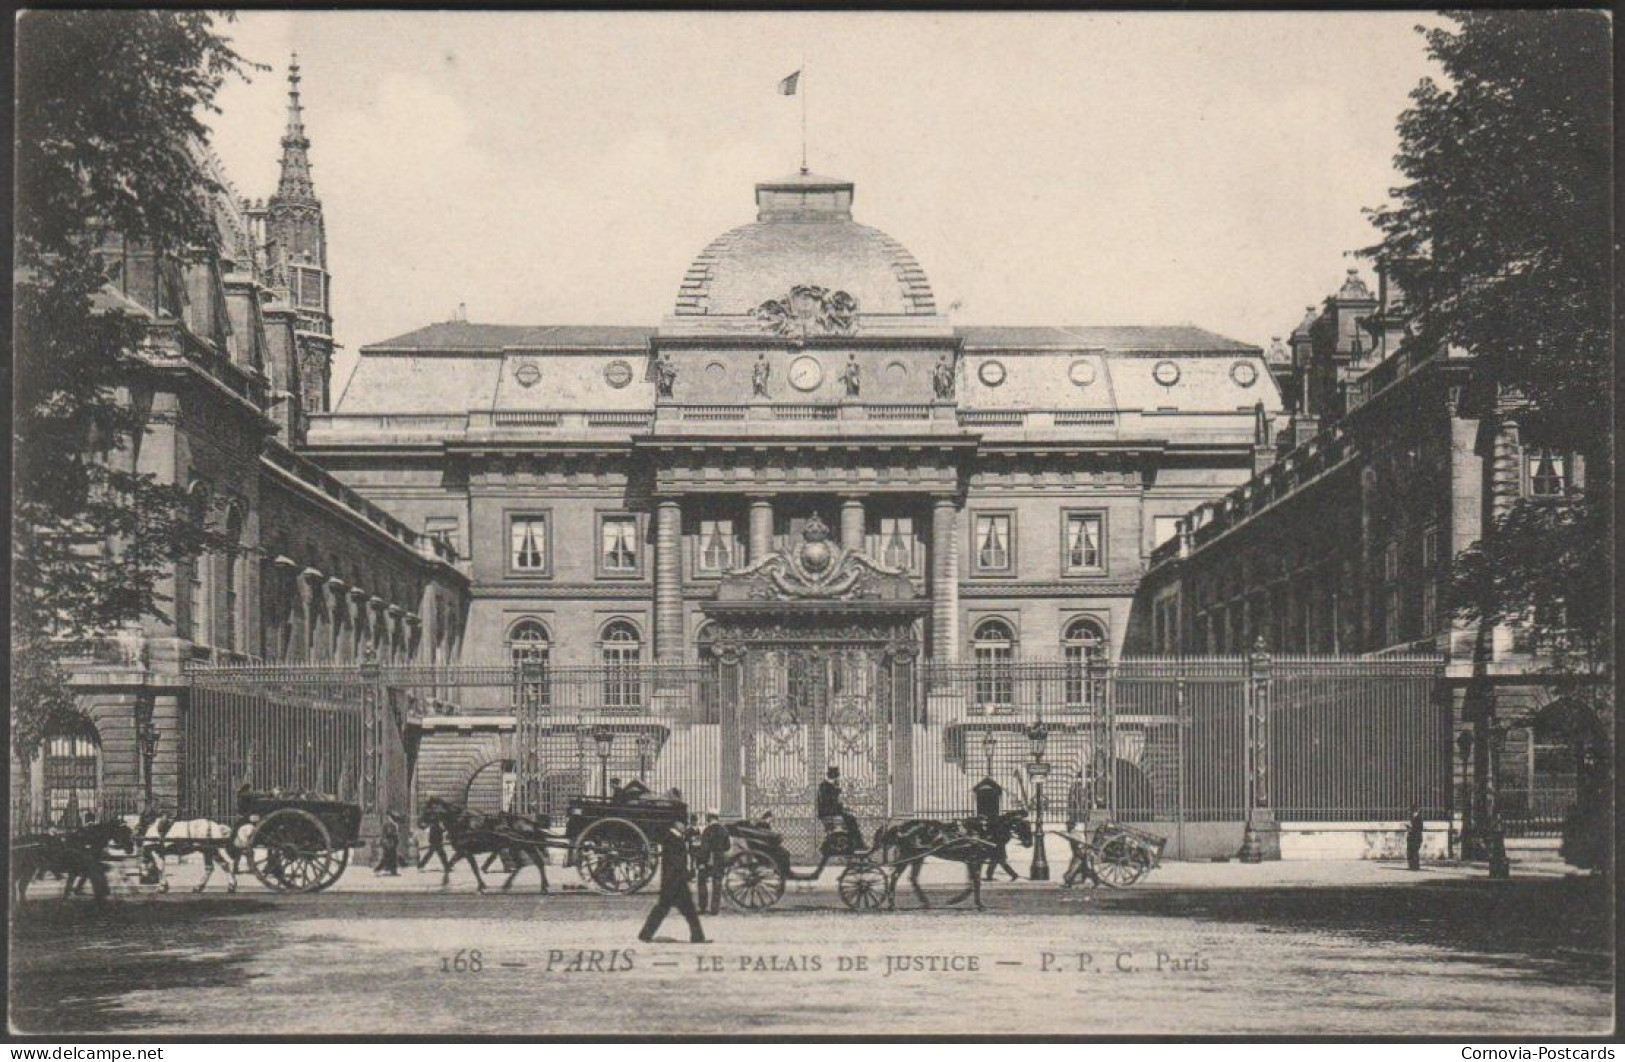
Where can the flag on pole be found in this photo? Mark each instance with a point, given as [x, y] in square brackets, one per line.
[787, 87]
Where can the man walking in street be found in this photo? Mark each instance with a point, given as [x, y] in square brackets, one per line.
[712, 857]
[674, 892]
[436, 846]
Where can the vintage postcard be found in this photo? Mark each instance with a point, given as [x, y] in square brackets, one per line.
[812, 524]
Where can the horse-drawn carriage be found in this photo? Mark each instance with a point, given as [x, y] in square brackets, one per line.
[299, 843]
[292, 842]
[614, 841]
[759, 864]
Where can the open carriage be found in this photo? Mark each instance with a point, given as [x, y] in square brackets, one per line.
[299, 844]
[759, 866]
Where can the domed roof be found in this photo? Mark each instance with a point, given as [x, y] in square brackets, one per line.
[804, 237]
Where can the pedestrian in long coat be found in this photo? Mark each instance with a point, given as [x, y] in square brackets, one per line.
[674, 891]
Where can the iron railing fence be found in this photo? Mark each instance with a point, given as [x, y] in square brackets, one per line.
[1149, 740]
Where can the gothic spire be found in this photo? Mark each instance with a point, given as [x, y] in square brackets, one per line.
[295, 180]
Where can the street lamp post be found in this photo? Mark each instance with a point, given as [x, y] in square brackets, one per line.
[990, 744]
[645, 748]
[146, 734]
[604, 738]
[1038, 770]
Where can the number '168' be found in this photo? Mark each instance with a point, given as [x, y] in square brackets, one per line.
[467, 961]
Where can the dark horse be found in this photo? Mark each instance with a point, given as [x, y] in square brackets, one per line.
[473, 833]
[971, 841]
[77, 856]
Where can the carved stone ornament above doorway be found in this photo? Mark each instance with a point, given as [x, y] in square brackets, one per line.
[816, 569]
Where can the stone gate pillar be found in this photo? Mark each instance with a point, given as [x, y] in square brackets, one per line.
[852, 529]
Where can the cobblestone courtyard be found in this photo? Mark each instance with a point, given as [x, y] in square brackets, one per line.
[1389, 954]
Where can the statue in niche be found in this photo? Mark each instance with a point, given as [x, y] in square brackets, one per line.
[665, 376]
[852, 376]
[942, 379]
[759, 374]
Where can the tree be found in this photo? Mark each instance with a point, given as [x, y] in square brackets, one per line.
[110, 108]
[1501, 240]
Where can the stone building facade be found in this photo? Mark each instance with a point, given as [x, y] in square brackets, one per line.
[1386, 469]
[237, 357]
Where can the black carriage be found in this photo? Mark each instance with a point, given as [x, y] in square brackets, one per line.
[613, 841]
[299, 843]
[759, 866]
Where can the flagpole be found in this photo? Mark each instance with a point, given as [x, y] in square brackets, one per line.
[803, 80]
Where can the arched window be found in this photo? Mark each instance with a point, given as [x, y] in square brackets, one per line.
[233, 573]
[994, 647]
[1083, 647]
[622, 650]
[530, 649]
[72, 766]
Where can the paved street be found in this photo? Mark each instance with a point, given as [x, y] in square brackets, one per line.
[1353, 948]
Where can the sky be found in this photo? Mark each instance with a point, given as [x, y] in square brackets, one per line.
[1044, 168]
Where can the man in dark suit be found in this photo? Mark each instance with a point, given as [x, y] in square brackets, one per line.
[674, 892]
[1413, 838]
[830, 806]
[712, 858]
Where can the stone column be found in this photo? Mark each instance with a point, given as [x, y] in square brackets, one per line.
[852, 529]
[761, 528]
[668, 581]
[944, 580]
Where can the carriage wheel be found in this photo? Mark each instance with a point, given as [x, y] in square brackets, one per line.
[336, 866]
[614, 856]
[864, 885]
[753, 881]
[1120, 865]
[291, 851]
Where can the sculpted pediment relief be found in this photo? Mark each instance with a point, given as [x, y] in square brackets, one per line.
[816, 569]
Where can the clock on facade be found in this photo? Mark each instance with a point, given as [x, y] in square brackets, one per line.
[991, 373]
[806, 373]
[1166, 373]
[617, 373]
[1081, 373]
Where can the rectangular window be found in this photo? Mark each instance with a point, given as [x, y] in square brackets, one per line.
[1430, 605]
[1390, 562]
[993, 543]
[527, 544]
[1390, 616]
[716, 545]
[445, 529]
[1430, 548]
[897, 542]
[1548, 473]
[618, 545]
[1084, 541]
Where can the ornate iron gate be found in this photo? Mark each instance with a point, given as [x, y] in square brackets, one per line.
[808, 708]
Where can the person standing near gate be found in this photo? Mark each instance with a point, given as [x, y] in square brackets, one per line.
[1413, 838]
[674, 892]
[712, 857]
[389, 846]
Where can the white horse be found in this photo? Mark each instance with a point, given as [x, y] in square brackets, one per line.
[219, 845]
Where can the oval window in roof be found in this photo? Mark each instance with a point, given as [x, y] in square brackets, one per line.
[1244, 373]
[1081, 372]
[1166, 373]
